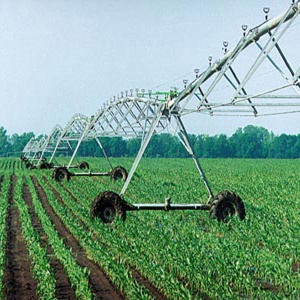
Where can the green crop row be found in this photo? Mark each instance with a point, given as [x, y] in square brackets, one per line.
[148, 264]
[119, 273]
[158, 263]
[10, 164]
[78, 276]
[41, 268]
[4, 188]
[7, 164]
[257, 258]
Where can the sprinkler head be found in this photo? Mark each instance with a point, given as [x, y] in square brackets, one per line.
[225, 44]
[266, 11]
[185, 81]
[244, 27]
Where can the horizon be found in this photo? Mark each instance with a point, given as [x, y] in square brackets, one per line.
[199, 134]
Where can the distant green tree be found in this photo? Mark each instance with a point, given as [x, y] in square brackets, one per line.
[250, 142]
[296, 147]
[154, 148]
[133, 146]
[18, 142]
[5, 146]
[222, 147]
[283, 146]
[209, 146]
[117, 147]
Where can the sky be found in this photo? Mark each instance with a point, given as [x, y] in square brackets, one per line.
[59, 57]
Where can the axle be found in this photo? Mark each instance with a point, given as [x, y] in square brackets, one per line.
[163, 206]
[91, 174]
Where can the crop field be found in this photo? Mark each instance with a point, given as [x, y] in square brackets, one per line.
[50, 248]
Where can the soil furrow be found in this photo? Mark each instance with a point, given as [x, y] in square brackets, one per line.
[63, 288]
[18, 280]
[140, 278]
[1, 180]
[100, 284]
[135, 273]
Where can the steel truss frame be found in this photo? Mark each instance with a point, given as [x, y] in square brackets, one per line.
[240, 102]
[71, 132]
[127, 117]
[145, 114]
[50, 143]
[32, 152]
[27, 149]
[80, 129]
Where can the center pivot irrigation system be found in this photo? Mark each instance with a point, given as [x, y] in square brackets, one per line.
[257, 63]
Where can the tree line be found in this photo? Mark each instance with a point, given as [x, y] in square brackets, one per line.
[248, 142]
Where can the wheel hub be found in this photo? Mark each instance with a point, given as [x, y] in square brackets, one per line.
[228, 210]
[108, 214]
[60, 176]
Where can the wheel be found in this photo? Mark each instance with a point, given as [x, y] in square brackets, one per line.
[30, 166]
[227, 204]
[83, 165]
[44, 165]
[60, 174]
[119, 173]
[108, 206]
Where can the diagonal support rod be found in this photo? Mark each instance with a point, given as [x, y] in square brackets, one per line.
[283, 56]
[243, 89]
[278, 68]
[103, 151]
[184, 139]
[253, 35]
[274, 38]
[142, 149]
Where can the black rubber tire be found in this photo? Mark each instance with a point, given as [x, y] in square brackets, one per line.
[108, 206]
[227, 204]
[61, 174]
[29, 165]
[118, 172]
[83, 165]
[44, 166]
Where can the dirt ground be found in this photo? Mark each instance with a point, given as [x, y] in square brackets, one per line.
[19, 283]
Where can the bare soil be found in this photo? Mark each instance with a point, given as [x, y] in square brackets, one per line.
[135, 273]
[63, 286]
[18, 279]
[99, 282]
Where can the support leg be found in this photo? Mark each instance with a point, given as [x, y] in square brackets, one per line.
[54, 151]
[104, 153]
[143, 147]
[183, 137]
[74, 151]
